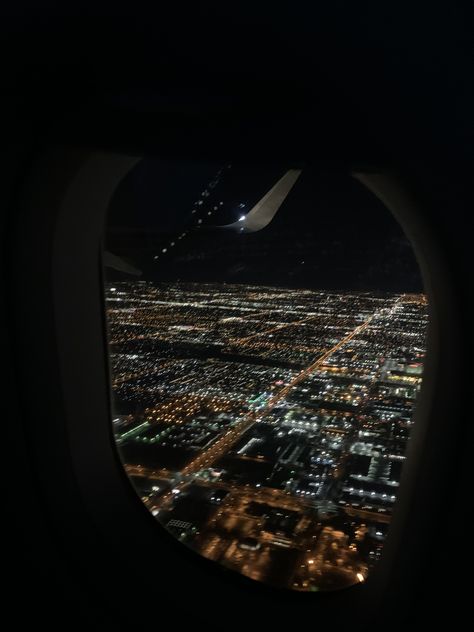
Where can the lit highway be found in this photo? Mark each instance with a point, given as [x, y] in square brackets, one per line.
[220, 447]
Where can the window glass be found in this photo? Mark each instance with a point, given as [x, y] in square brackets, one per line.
[267, 330]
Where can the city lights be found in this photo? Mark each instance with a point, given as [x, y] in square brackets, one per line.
[266, 427]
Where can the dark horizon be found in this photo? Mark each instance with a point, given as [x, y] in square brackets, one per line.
[330, 233]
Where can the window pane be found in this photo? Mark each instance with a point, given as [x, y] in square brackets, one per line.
[267, 333]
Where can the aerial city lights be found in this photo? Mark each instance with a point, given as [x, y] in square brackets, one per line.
[266, 427]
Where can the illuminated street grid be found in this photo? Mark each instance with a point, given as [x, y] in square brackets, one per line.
[265, 427]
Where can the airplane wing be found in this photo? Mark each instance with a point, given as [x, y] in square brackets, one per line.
[264, 211]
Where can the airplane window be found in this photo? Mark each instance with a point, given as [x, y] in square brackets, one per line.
[267, 331]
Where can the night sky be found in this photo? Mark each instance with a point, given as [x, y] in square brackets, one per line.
[330, 233]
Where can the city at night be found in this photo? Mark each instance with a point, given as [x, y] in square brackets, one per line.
[265, 364]
[237, 323]
[266, 428]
